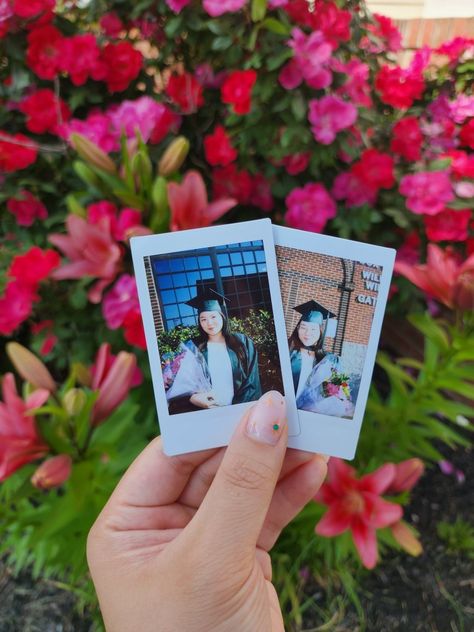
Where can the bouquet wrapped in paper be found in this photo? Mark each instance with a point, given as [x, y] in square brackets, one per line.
[327, 390]
[337, 385]
[186, 372]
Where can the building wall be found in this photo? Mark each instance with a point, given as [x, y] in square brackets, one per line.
[405, 10]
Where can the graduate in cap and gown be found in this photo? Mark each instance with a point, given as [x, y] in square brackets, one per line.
[231, 357]
[311, 365]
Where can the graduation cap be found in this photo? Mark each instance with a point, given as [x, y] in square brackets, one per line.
[313, 312]
[208, 301]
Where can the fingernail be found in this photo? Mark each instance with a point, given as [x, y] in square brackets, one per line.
[267, 418]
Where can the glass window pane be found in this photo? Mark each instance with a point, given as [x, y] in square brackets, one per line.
[238, 270]
[161, 265]
[234, 246]
[168, 296]
[225, 272]
[186, 310]
[193, 277]
[251, 269]
[183, 294]
[165, 281]
[179, 280]
[205, 262]
[170, 324]
[257, 243]
[248, 257]
[191, 263]
[236, 257]
[176, 265]
[207, 274]
[260, 255]
[245, 243]
[189, 321]
[223, 260]
[262, 267]
[171, 311]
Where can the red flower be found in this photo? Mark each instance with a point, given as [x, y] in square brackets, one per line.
[466, 135]
[328, 18]
[356, 504]
[375, 170]
[407, 138]
[32, 8]
[16, 306]
[189, 205]
[237, 89]
[16, 152]
[121, 64]
[111, 24]
[399, 87]
[20, 442]
[449, 225]
[462, 164]
[44, 111]
[133, 329]
[228, 182]
[186, 91]
[296, 163]
[45, 50]
[261, 193]
[218, 148]
[26, 208]
[81, 57]
[33, 266]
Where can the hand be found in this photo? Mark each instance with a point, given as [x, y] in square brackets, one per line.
[203, 400]
[182, 544]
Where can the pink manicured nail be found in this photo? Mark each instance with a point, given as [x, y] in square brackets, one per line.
[267, 418]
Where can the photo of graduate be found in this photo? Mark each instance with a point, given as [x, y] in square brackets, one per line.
[329, 304]
[214, 326]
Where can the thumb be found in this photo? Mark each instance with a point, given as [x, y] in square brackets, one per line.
[234, 509]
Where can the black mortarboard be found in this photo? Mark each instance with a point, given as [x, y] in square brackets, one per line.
[313, 312]
[208, 301]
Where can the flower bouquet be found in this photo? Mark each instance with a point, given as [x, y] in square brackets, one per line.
[186, 372]
[337, 385]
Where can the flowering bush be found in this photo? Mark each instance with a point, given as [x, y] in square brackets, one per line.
[171, 115]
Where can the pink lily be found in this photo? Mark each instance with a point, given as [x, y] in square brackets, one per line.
[53, 472]
[189, 204]
[20, 441]
[406, 476]
[356, 504]
[92, 252]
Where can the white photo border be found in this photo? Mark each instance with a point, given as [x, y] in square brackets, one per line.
[202, 429]
[326, 434]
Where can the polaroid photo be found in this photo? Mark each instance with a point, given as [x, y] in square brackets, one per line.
[214, 326]
[334, 293]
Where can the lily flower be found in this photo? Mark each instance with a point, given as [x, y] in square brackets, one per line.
[20, 442]
[112, 377]
[406, 476]
[92, 252]
[443, 277]
[189, 204]
[356, 504]
[30, 367]
[53, 472]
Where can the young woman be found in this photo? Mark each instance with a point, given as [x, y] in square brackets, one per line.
[231, 358]
[312, 366]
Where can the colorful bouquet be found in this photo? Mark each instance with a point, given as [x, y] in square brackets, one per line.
[186, 372]
[337, 385]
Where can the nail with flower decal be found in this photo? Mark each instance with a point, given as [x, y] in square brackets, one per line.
[267, 418]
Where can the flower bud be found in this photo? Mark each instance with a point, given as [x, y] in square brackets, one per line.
[406, 538]
[463, 291]
[52, 472]
[114, 387]
[92, 154]
[85, 173]
[74, 401]
[407, 474]
[160, 214]
[30, 367]
[82, 374]
[174, 156]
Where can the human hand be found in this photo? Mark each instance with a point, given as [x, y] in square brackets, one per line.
[182, 544]
[203, 400]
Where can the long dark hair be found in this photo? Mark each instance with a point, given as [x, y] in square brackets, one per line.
[295, 343]
[230, 339]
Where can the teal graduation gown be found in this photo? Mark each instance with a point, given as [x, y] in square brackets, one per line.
[246, 376]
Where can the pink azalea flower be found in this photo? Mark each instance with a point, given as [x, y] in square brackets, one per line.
[219, 7]
[350, 188]
[139, 115]
[328, 116]
[119, 301]
[356, 87]
[356, 505]
[97, 127]
[427, 192]
[189, 205]
[310, 207]
[20, 442]
[92, 253]
[290, 75]
[296, 163]
[177, 5]
[312, 54]
[462, 108]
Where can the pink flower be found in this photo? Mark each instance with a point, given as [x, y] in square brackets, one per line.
[347, 186]
[356, 505]
[328, 116]
[407, 138]
[449, 225]
[97, 127]
[53, 472]
[26, 208]
[311, 56]
[427, 192]
[119, 301]
[177, 5]
[237, 90]
[166, 121]
[385, 30]
[462, 107]
[139, 115]
[20, 442]
[92, 252]
[296, 163]
[407, 474]
[261, 193]
[375, 169]
[455, 47]
[33, 266]
[49, 340]
[80, 57]
[189, 205]
[112, 377]
[111, 24]
[16, 306]
[356, 87]
[310, 207]
[219, 7]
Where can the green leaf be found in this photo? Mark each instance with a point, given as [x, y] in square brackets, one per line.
[258, 10]
[275, 26]
[457, 386]
[221, 43]
[433, 331]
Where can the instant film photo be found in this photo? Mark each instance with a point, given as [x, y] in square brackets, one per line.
[214, 327]
[334, 293]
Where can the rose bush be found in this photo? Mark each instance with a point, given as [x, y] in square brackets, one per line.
[172, 115]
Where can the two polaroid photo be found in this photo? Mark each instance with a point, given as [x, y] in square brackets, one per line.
[231, 312]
